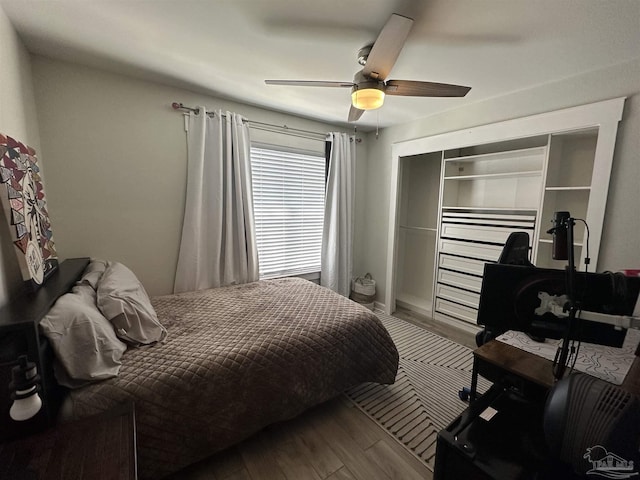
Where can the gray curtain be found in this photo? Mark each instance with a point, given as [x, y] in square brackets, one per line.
[218, 245]
[337, 235]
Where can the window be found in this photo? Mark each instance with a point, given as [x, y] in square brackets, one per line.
[288, 199]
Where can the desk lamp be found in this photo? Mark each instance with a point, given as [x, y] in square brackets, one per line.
[563, 250]
[24, 389]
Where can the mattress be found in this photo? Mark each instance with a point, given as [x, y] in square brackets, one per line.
[235, 360]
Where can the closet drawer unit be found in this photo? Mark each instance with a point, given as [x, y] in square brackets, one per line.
[457, 311]
[520, 220]
[460, 280]
[481, 233]
[464, 265]
[464, 297]
[467, 249]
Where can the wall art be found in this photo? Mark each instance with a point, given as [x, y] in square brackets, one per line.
[23, 199]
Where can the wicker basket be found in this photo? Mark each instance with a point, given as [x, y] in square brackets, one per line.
[358, 297]
[363, 291]
[364, 285]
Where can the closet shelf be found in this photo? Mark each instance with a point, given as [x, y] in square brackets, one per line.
[564, 189]
[528, 173]
[510, 154]
[515, 210]
[550, 242]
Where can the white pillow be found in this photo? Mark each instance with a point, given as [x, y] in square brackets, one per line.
[84, 342]
[124, 302]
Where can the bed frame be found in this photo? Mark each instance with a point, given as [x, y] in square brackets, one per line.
[20, 335]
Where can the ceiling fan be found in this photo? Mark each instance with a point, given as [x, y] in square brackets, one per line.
[369, 87]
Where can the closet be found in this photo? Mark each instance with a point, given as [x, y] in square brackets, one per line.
[456, 197]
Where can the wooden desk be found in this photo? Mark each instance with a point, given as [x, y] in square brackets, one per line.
[533, 375]
[102, 447]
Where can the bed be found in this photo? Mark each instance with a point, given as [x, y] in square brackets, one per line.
[236, 359]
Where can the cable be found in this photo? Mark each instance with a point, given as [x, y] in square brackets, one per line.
[575, 351]
[587, 259]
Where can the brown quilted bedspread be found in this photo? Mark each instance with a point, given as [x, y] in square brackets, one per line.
[235, 360]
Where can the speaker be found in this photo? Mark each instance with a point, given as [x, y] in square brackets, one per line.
[593, 426]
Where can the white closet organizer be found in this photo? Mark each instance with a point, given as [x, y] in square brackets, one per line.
[456, 197]
[486, 197]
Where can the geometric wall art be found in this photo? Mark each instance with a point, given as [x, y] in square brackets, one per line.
[23, 199]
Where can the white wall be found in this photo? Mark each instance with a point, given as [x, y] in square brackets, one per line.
[621, 236]
[116, 161]
[17, 120]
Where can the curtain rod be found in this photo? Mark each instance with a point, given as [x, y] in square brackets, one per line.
[261, 125]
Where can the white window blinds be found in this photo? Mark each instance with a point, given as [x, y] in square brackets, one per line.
[288, 200]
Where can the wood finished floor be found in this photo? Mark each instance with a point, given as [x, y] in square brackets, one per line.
[334, 441]
[439, 328]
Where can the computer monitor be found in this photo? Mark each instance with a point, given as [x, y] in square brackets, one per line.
[510, 296]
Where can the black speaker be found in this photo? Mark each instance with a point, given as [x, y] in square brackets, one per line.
[593, 426]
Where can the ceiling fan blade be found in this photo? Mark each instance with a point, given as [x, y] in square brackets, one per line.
[308, 83]
[355, 113]
[410, 88]
[387, 46]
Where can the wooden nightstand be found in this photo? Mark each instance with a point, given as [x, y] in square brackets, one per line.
[19, 335]
[102, 447]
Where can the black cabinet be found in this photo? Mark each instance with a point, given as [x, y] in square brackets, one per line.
[98, 447]
[19, 335]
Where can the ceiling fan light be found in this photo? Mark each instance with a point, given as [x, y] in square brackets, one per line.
[367, 98]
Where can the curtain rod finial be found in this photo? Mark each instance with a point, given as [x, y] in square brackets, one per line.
[176, 105]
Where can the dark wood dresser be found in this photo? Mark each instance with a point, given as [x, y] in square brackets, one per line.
[102, 447]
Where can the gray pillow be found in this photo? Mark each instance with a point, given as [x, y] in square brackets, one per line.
[123, 300]
[93, 273]
[84, 342]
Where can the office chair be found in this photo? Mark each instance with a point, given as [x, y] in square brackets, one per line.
[593, 427]
[514, 252]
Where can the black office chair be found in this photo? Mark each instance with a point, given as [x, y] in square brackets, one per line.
[514, 252]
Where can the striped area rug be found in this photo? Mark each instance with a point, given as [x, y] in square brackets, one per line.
[424, 399]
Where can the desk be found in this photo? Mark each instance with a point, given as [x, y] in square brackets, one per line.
[532, 375]
[102, 447]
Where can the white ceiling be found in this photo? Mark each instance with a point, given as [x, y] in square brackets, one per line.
[227, 48]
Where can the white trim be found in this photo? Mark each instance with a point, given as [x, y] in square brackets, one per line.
[566, 120]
